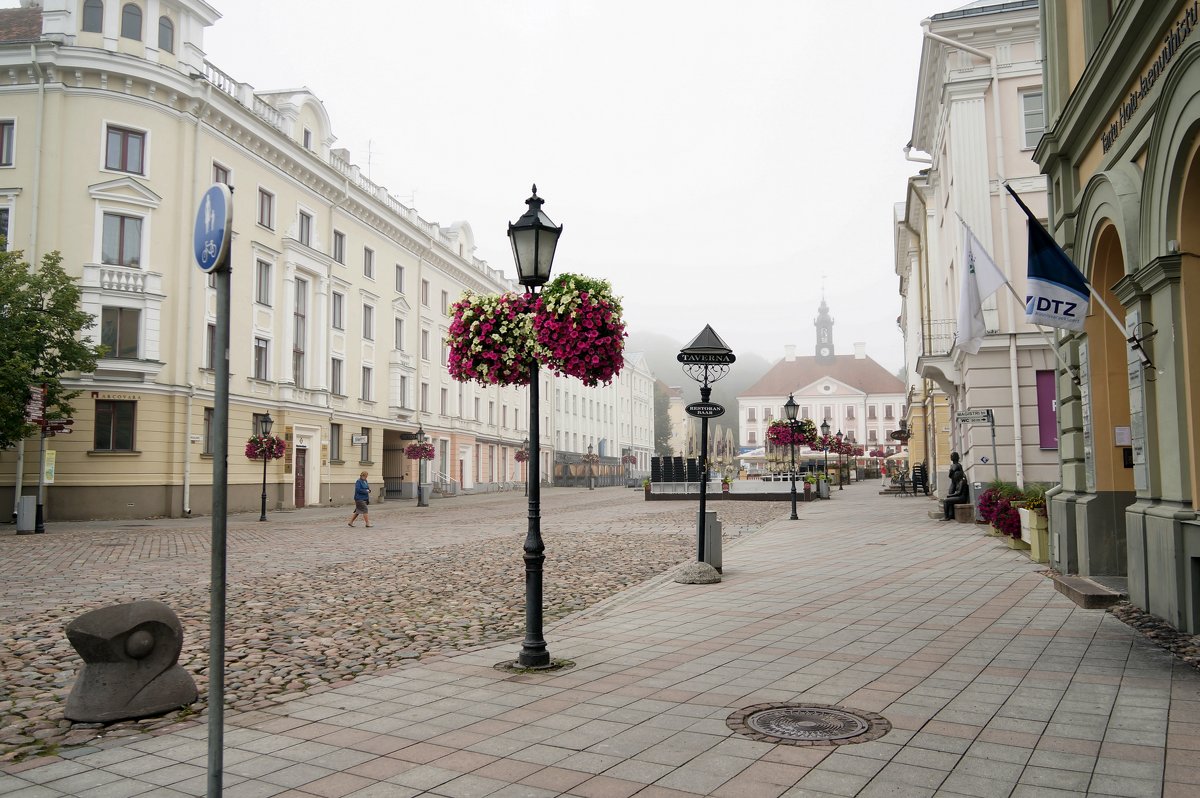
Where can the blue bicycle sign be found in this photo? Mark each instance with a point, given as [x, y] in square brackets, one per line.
[210, 237]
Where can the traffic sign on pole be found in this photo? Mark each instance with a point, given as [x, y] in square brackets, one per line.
[210, 237]
[972, 416]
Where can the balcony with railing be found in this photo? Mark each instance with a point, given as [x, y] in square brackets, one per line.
[935, 361]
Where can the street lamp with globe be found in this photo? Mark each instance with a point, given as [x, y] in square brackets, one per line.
[264, 429]
[789, 409]
[825, 446]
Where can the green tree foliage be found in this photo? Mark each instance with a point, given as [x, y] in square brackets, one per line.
[662, 419]
[40, 322]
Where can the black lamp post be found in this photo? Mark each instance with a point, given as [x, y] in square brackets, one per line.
[526, 445]
[825, 446]
[264, 429]
[839, 453]
[534, 238]
[591, 470]
[789, 409]
[422, 499]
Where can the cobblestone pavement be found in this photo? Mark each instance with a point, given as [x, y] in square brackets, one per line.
[312, 602]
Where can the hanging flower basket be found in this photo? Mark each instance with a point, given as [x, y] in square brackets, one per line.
[781, 433]
[591, 459]
[419, 451]
[578, 330]
[629, 459]
[272, 446]
[490, 339]
[521, 456]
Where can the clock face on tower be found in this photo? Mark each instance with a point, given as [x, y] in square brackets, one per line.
[824, 350]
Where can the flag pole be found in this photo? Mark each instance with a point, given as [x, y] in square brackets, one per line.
[1092, 291]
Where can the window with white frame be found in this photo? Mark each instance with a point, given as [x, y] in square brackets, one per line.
[424, 397]
[445, 303]
[364, 453]
[404, 400]
[304, 229]
[424, 344]
[166, 34]
[398, 343]
[425, 293]
[261, 358]
[131, 22]
[266, 209]
[368, 318]
[368, 387]
[93, 16]
[445, 401]
[335, 443]
[125, 150]
[119, 331]
[299, 332]
[221, 173]
[339, 246]
[5, 231]
[368, 263]
[1033, 117]
[210, 346]
[8, 132]
[115, 425]
[208, 431]
[262, 282]
[337, 310]
[306, 139]
[399, 279]
[121, 244]
[336, 385]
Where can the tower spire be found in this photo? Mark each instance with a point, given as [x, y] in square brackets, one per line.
[824, 325]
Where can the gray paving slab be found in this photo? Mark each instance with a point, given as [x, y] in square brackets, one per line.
[994, 683]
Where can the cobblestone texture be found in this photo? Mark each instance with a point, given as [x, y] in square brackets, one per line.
[313, 603]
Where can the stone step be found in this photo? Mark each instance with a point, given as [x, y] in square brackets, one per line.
[1086, 593]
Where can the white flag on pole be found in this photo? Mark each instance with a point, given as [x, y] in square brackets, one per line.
[980, 279]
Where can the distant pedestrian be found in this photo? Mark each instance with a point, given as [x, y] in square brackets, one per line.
[362, 498]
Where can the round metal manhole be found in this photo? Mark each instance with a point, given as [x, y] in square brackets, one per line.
[808, 724]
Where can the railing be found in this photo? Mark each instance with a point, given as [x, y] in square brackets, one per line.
[443, 483]
[937, 337]
[119, 278]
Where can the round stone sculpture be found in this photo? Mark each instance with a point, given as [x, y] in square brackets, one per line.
[130, 663]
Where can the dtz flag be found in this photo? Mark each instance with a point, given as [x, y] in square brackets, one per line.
[1057, 291]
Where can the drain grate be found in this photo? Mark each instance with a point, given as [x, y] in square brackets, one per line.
[808, 724]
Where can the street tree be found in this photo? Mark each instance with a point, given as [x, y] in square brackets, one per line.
[40, 340]
[662, 419]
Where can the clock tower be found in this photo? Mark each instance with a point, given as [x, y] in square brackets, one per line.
[824, 325]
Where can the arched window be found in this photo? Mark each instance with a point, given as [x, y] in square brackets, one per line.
[93, 16]
[131, 22]
[166, 34]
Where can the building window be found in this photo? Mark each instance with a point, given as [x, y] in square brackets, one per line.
[299, 332]
[364, 454]
[850, 412]
[5, 233]
[260, 358]
[339, 246]
[266, 209]
[445, 354]
[1033, 118]
[404, 391]
[368, 323]
[424, 397]
[804, 412]
[445, 303]
[119, 332]
[491, 413]
[166, 34]
[887, 412]
[115, 426]
[871, 412]
[93, 16]
[425, 293]
[476, 416]
[871, 436]
[8, 129]
[368, 375]
[335, 443]
[210, 347]
[445, 401]
[399, 279]
[424, 344]
[124, 150]
[220, 173]
[338, 311]
[122, 243]
[335, 377]
[750, 437]
[305, 229]
[751, 416]
[262, 283]
[368, 263]
[306, 139]
[208, 431]
[131, 22]
[399, 342]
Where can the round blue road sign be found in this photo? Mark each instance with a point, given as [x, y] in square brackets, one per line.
[210, 238]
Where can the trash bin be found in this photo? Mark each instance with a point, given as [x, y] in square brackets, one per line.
[26, 514]
[712, 540]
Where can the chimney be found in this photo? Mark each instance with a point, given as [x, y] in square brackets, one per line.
[789, 353]
[860, 351]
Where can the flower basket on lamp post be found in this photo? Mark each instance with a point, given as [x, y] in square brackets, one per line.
[266, 447]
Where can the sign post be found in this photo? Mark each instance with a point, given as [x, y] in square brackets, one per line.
[979, 416]
[210, 244]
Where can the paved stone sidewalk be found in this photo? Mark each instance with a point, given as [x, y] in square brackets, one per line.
[993, 683]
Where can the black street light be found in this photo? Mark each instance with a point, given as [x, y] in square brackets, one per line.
[789, 409]
[526, 450]
[825, 446]
[264, 429]
[839, 441]
[591, 470]
[534, 239]
[422, 499]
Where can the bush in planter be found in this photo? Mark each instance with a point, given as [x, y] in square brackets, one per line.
[991, 497]
[1035, 499]
[1006, 519]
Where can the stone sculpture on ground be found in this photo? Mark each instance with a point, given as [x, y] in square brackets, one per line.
[131, 663]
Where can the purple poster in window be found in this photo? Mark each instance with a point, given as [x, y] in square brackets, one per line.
[1047, 403]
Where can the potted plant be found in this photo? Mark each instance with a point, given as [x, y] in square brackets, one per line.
[1035, 528]
[725, 484]
[646, 486]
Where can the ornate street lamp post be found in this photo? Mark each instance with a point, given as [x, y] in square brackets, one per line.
[789, 409]
[422, 499]
[264, 429]
[534, 239]
[591, 470]
[526, 449]
[839, 462]
[825, 446]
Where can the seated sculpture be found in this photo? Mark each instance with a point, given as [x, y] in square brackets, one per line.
[959, 492]
[130, 663]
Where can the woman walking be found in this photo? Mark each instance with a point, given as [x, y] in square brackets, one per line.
[362, 498]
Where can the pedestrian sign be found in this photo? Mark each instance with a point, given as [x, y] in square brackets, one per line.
[210, 237]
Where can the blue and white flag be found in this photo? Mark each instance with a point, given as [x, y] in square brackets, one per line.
[1057, 292]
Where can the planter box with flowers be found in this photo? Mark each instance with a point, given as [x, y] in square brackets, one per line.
[996, 508]
[1035, 528]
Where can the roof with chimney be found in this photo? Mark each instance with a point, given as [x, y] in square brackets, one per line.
[20, 25]
[791, 375]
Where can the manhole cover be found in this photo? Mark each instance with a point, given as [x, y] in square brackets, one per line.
[808, 724]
